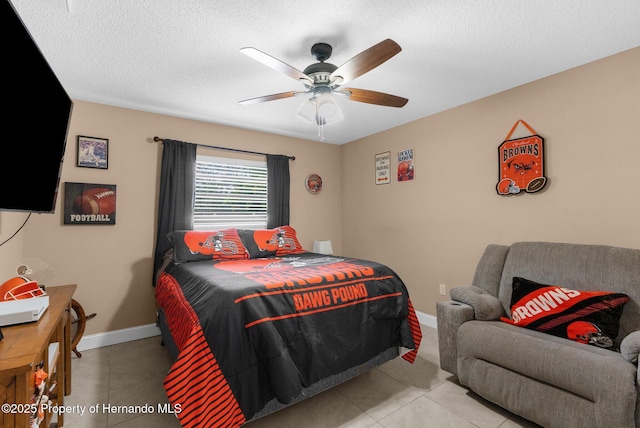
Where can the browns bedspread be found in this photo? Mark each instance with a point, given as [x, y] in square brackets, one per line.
[251, 330]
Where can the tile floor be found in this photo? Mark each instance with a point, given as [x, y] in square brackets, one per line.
[395, 395]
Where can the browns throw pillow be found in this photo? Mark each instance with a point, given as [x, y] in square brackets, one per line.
[290, 243]
[591, 317]
[261, 242]
[193, 245]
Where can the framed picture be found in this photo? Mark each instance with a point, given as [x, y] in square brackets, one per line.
[92, 152]
[86, 203]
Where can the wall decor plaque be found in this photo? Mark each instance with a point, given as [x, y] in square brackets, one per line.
[521, 163]
[383, 168]
[406, 168]
[86, 203]
[313, 183]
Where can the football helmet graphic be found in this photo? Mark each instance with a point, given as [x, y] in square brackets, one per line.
[586, 332]
[267, 239]
[208, 243]
[272, 240]
[405, 171]
[507, 186]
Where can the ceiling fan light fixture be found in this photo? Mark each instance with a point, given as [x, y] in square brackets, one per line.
[327, 109]
[307, 111]
[320, 110]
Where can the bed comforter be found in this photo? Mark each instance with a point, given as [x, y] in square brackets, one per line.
[251, 330]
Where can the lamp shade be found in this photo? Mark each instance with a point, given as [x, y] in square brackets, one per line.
[320, 110]
[322, 247]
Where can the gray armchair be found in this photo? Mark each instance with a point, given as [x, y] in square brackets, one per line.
[552, 381]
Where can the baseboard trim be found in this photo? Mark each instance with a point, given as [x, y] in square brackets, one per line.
[426, 319]
[98, 340]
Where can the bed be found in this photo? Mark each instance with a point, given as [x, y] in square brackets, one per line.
[254, 322]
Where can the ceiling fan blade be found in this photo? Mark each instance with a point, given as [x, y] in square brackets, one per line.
[373, 97]
[276, 64]
[365, 61]
[271, 97]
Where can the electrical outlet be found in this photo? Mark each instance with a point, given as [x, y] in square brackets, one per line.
[443, 290]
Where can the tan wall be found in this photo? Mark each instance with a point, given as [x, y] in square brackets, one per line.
[11, 251]
[433, 230]
[112, 264]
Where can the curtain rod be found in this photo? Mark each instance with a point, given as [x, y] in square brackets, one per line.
[158, 139]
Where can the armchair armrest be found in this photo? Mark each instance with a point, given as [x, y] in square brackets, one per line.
[486, 307]
[630, 347]
[450, 316]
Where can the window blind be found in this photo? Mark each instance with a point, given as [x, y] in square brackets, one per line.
[230, 193]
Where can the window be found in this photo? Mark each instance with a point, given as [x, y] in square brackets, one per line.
[230, 193]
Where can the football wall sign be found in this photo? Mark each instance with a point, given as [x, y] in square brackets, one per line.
[521, 163]
[405, 165]
[86, 203]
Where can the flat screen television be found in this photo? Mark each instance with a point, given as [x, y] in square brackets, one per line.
[35, 122]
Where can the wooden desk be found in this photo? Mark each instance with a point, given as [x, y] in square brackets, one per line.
[25, 346]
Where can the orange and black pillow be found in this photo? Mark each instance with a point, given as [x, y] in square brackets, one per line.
[290, 243]
[591, 317]
[280, 241]
[260, 242]
[193, 245]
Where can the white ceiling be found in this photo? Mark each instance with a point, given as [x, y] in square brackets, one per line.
[181, 58]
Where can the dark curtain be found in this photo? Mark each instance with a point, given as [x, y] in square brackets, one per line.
[277, 191]
[177, 188]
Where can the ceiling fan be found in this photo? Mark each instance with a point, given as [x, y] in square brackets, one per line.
[322, 79]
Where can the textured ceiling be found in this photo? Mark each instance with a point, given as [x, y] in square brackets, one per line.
[181, 58]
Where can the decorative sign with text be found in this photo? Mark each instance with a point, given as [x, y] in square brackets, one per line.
[405, 165]
[521, 163]
[383, 168]
[86, 203]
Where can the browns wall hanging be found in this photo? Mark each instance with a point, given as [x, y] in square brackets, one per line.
[521, 163]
